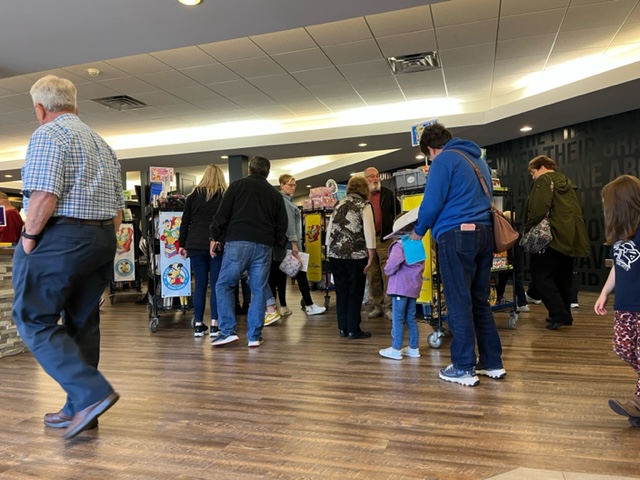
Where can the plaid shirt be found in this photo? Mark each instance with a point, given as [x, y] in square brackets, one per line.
[65, 157]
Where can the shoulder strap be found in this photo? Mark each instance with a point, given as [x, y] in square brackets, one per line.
[478, 174]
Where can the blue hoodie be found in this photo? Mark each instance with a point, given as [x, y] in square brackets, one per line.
[453, 194]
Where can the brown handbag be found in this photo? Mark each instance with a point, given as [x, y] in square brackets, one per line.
[504, 236]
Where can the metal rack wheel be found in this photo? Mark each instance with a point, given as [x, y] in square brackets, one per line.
[153, 324]
[512, 323]
[435, 339]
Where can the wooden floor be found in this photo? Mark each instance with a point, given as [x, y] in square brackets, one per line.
[308, 404]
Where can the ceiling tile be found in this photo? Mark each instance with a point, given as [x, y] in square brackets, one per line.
[456, 57]
[360, 71]
[598, 14]
[230, 50]
[518, 7]
[107, 71]
[501, 82]
[344, 31]
[271, 111]
[424, 92]
[184, 57]
[157, 99]
[250, 101]
[19, 84]
[420, 79]
[235, 88]
[94, 90]
[275, 83]
[332, 89]
[167, 80]
[628, 34]
[138, 64]
[377, 84]
[400, 22]
[355, 52]
[635, 15]
[219, 105]
[520, 65]
[529, 25]
[194, 94]
[285, 41]
[469, 86]
[211, 74]
[467, 35]
[557, 59]
[303, 60]
[320, 76]
[408, 43]
[293, 95]
[128, 85]
[17, 102]
[314, 107]
[464, 11]
[468, 72]
[182, 109]
[255, 67]
[581, 39]
[524, 47]
[384, 97]
[340, 104]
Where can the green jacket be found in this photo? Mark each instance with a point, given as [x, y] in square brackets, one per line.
[565, 213]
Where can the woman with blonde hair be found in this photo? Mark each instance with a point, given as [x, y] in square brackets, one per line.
[199, 211]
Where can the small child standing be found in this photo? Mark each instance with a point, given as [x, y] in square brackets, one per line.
[405, 282]
[621, 205]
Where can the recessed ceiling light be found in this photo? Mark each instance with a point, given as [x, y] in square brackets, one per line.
[526, 128]
[362, 144]
[190, 2]
[8, 176]
[420, 157]
[224, 157]
[308, 186]
[352, 174]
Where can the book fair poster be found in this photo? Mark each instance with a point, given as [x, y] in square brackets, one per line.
[124, 260]
[175, 271]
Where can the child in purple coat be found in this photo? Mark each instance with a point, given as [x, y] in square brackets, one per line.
[405, 282]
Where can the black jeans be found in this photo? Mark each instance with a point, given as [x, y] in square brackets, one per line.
[349, 281]
[552, 273]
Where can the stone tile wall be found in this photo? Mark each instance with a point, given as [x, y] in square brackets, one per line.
[10, 343]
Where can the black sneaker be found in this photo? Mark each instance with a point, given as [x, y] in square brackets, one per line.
[214, 332]
[200, 330]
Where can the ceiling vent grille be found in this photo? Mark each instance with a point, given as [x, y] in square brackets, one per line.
[121, 102]
[416, 62]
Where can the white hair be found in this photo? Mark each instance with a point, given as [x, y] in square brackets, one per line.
[55, 94]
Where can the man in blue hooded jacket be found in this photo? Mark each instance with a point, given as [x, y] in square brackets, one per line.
[458, 212]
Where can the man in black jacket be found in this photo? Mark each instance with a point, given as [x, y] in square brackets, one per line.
[253, 219]
[385, 208]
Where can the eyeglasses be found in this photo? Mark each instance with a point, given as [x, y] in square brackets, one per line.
[293, 185]
[372, 175]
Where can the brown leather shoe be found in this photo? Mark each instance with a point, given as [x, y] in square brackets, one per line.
[84, 418]
[375, 312]
[61, 420]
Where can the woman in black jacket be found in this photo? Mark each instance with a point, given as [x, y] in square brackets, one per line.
[199, 210]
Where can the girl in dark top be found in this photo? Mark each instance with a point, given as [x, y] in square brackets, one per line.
[199, 211]
[621, 205]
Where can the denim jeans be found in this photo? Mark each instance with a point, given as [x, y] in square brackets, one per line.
[403, 311]
[465, 259]
[205, 271]
[239, 256]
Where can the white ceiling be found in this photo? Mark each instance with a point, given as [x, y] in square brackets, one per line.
[293, 79]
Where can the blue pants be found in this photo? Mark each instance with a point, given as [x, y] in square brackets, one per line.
[403, 311]
[465, 259]
[255, 258]
[67, 272]
[205, 271]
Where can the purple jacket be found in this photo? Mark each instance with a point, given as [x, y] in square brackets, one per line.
[404, 279]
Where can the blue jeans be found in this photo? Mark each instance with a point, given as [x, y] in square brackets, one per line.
[465, 259]
[255, 258]
[403, 311]
[206, 271]
[66, 272]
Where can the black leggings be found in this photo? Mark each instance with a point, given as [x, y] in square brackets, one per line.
[278, 285]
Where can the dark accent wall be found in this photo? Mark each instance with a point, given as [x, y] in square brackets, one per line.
[591, 154]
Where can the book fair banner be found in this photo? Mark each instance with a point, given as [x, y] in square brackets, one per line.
[124, 260]
[175, 271]
[313, 245]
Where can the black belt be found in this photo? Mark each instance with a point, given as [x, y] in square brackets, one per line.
[77, 221]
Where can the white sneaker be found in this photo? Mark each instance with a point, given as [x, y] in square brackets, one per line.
[314, 309]
[285, 311]
[272, 317]
[391, 353]
[523, 308]
[575, 305]
[410, 352]
[255, 343]
[495, 373]
[532, 300]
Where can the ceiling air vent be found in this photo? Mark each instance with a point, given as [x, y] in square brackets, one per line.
[120, 102]
[416, 62]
